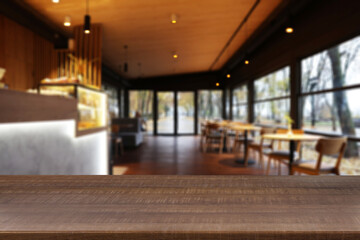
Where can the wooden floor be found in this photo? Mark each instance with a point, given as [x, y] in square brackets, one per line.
[181, 156]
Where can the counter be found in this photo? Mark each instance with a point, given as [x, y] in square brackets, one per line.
[39, 135]
[179, 207]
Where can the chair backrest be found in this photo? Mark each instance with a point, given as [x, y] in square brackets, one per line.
[267, 130]
[127, 125]
[115, 128]
[331, 146]
[211, 128]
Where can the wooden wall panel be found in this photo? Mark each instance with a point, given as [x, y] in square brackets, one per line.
[27, 57]
[88, 51]
[45, 63]
[2, 59]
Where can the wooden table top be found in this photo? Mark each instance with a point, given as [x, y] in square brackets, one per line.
[291, 137]
[248, 127]
[179, 207]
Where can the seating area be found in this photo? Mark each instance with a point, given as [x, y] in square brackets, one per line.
[238, 137]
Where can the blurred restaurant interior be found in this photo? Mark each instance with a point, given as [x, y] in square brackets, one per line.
[183, 87]
[179, 119]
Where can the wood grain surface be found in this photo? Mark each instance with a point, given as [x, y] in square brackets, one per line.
[17, 106]
[179, 207]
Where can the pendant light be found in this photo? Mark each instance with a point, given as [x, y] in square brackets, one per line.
[87, 24]
[67, 21]
[173, 18]
[125, 64]
[246, 60]
[289, 26]
[246, 56]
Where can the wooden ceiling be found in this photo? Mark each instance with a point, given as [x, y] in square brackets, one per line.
[203, 28]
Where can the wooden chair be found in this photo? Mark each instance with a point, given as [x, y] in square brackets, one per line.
[239, 141]
[202, 135]
[214, 135]
[259, 147]
[116, 141]
[282, 156]
[324, 146]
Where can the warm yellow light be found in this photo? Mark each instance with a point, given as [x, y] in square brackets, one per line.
[246, 62]
[175, 56]
[173, 18]
[217, 84]
[289, 30]
[55, 1]
[228, 76]
[87, 31]
[67, 21]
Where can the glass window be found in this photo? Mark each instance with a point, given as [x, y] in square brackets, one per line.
[240, 110]
[142, 102]
[273, 85]
[328, 104]
[335, 67]
[209, 105]
[272, 97]
[323, 112]
[113, 99]
[186, 112]
[272, 112]
[337, 110]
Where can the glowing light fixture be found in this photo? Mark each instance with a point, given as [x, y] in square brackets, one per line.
[173, 18]
[247, 62]
[55, 1]
[228, 75]
[126, 59]
[87, 24]
[67, 21]
[175, 56]
[289, 30]
[217, 84]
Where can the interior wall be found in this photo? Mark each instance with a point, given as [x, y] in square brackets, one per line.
[27, 57]
[183, 82]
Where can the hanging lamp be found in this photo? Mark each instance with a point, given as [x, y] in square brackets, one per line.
[87, 24]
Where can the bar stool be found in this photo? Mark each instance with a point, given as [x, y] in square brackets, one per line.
[117, 142]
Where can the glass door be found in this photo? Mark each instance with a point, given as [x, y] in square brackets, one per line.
[165, 112]
[185, 112]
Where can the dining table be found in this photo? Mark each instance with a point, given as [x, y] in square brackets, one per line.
[292, 139]
[245, 128]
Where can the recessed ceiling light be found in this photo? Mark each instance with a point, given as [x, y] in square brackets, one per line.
[55, 1]
[228, 75]
[173, 18]
[217, 84]
[67, 21]
[246, 62]
[175, 56]
[289, 30]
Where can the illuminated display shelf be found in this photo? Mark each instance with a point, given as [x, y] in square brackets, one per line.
[92, 103]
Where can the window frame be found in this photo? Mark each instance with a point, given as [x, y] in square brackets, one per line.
[303, 94]
[246, 103]
[271, 99]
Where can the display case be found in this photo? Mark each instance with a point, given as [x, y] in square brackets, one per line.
[92, 103]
